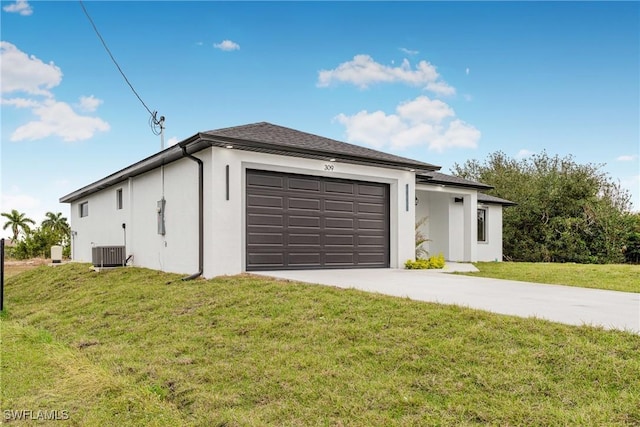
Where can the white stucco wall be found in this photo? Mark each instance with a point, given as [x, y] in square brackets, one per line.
[103, 225]
[452, 226]
[435, 206]
[456, 230]
[177, 250]
[225, 241]
[224, 220]
[491, 250]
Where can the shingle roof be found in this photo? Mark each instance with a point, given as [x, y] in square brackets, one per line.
[487, 198]
[444, 179]
[262, 137]
[291, 141]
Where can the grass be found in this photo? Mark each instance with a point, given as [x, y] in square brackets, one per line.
[139, 347]
[614, 277]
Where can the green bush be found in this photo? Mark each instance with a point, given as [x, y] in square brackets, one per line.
[436, 261]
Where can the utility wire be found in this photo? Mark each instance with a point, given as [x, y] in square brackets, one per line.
[153, 120]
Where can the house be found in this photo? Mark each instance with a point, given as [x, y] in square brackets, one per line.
[266, 197]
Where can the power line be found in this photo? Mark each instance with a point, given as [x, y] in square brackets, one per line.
[154, 122]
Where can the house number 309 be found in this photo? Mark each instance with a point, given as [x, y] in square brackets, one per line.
[328, 167]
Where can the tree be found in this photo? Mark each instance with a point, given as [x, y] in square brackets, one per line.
[632, 251]
[18, 222]
[57, 225]
[36, 243]
[566, 212]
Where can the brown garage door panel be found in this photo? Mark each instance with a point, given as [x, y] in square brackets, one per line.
[339, 187]
[265, 181]
[339, 206]
[258, 238]
[304, 184]
[304, 259]
[265, 260]
[306, 204]
[372, 190]
[297, 222]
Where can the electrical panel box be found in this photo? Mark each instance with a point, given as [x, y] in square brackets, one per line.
[161, 208]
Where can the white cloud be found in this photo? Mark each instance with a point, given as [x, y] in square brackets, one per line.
[89, 103]
[24, 73]
[415, 135]
[58, 119]
[524, 153]
[423, 109]
[421, 121]
[19, 201]
[467, 71]
[374, 129]
[363, 71]
[227, 45]
[20, 6]
[408, 51]
[458, 134]
[627, 158]
[20, 102]
[27, 74]
[172, 141]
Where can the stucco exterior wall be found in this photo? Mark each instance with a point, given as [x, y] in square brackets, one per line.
[456, 230]
[103, 225]
[452, 226]
[438, 222]
[224, 219]
[175, 251]
[225, 241]
[491, 250]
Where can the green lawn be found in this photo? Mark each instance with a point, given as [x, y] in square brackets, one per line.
[615, 277]
[138, 347]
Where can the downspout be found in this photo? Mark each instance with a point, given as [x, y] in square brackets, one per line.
[200, 214]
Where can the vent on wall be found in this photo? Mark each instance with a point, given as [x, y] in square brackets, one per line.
[108, 256]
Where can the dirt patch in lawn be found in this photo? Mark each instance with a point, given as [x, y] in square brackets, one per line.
[13, 267]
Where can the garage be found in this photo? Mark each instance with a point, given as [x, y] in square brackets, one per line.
[308, 222]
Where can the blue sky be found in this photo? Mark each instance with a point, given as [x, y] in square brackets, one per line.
[438, 82]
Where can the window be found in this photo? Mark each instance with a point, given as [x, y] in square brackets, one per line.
[482, 225]
[84, 209]
[119, 198]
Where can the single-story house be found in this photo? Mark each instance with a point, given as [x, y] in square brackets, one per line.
[266, 197]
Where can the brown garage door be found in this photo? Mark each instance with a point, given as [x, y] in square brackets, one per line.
[306, 222]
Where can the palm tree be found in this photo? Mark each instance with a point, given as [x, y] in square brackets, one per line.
[57, 224]
[18, 222]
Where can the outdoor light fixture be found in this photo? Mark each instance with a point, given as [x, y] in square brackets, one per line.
[229, 146]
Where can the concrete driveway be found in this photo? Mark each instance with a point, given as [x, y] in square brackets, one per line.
[564, 304]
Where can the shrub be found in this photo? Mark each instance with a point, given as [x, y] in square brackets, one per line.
[436, 261]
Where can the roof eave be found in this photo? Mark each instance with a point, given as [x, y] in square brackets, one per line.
[454, 184]
[164, 157]
[506, 203]
[201, 141]
[270, 148]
